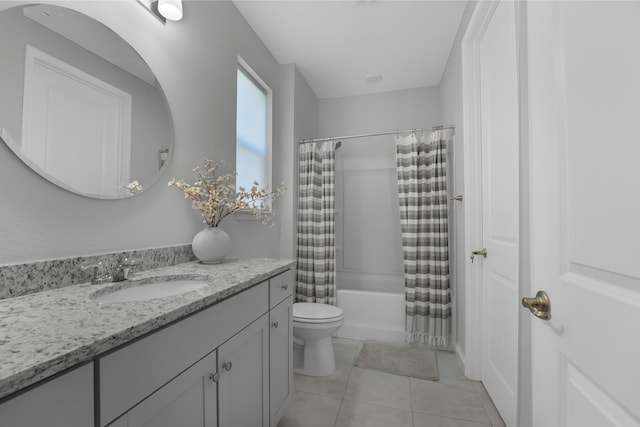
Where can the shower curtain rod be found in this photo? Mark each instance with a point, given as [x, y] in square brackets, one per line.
[329, 138]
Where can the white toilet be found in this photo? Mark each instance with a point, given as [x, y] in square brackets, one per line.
[313, 325]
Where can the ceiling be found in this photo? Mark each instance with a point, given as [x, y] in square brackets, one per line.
[336, 44]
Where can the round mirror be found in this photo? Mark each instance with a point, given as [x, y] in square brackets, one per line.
[79, 106]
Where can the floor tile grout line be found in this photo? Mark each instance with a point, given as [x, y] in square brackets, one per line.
[344, 390]
[483, 401]
[377, 405]
[475, 393]
[413, 423]
[448, 417]
[335, 422]
[450, 367]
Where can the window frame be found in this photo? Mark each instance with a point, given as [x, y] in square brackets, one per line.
[244, 67]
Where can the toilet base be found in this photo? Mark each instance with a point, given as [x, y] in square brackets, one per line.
[318, 358]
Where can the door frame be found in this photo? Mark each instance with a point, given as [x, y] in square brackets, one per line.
[473, 239]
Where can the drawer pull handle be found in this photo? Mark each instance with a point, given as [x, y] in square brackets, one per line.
[214, 377]
[275, 324]
[285, 287]
[227, 366]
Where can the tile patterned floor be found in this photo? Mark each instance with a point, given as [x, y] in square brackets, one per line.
[357, 397]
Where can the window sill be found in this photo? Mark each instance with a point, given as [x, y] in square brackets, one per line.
[245, 215]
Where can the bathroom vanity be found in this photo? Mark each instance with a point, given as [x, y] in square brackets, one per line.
[217, 356]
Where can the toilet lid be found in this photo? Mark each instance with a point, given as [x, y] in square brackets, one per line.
[315, 311]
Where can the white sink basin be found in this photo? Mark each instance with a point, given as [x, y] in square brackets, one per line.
[146, 291]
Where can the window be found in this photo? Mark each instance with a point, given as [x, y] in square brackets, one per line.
[253, 130]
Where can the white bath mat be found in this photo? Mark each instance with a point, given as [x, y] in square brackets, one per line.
[398, 359]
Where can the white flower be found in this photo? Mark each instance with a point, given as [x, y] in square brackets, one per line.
[216, 197]
[134, 187]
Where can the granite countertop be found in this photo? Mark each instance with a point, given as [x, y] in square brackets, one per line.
[48, 332]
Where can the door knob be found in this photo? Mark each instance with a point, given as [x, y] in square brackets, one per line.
[482, 252]
[540, 306]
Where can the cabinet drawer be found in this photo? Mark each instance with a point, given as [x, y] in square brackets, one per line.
[132, 373]
[280, 287]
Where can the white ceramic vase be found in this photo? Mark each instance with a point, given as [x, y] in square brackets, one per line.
[211, 245]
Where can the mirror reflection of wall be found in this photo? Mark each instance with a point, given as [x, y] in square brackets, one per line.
[79, 128]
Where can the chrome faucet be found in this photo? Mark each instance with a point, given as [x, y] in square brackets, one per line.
[98, 274]
[123, 269]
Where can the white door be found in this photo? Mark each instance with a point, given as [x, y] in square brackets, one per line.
[584, 120]
[69, 111]
[498, 100]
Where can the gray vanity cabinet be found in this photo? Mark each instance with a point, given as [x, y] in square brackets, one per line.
[189, 400]
[65, 401]
[154, 366]
[229, 366]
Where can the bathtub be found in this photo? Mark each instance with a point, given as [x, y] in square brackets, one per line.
[372, 315]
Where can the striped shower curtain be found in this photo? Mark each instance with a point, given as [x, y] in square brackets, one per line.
[422, 191]
[316, 269]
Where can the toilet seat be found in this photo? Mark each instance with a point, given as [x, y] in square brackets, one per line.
[311, 312]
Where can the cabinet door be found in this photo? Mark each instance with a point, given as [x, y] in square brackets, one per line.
[243, 364]
[280, 358]
[189, 400]
[66, 401]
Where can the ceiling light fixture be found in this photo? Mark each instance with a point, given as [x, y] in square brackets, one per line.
[170, 9]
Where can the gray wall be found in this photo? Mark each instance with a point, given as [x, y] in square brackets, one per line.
[368, 237]
[288, 104]
[452, 112]
[301, 103]
[305, 126]
[195, 62]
